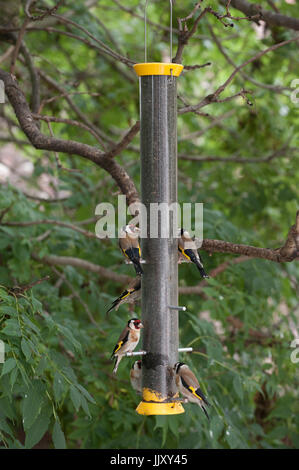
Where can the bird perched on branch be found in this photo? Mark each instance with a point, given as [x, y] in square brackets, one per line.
[189, 387]
[130, 295]
[187, 247]
[127, 341]
[136, 376]
[129, 245]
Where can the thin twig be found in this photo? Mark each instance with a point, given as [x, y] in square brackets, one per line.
[79, 263]
[128, 137]
[214, 97]
[18, 45]
[19, 290]
[49, 11]
[67, 121]
[281, 152]
[7, 54]
[58, 162]
[275, 88]
[58, 223]
[106, 49]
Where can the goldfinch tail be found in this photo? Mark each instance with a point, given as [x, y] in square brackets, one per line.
[201, 270]
[138, 267]
[205, 411]
[116, 364]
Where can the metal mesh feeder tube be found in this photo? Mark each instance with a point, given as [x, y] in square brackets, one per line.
[158, 130]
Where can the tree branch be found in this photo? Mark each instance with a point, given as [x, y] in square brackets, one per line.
[270, 17]
[53, 260]
[41, 141]
[288, 252]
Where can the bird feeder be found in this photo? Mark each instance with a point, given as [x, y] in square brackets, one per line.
[158, 128]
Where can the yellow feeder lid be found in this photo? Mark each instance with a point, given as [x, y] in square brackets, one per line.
[158, 68]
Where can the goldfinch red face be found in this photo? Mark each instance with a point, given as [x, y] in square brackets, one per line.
[135, 324]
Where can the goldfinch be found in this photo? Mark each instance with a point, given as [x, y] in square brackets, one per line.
[188, 249]
[189, 387]
[127, 341]
[136, 376]
[129, 245]
[130, 295]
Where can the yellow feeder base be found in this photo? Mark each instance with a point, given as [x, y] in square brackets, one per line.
[154, 404]
[146, 408]
[158, 68]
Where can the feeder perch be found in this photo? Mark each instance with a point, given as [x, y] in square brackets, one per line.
[143, 353]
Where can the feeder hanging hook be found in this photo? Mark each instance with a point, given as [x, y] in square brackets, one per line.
[145, 31]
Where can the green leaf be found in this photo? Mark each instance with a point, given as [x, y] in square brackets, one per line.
[11, 311]
[36, 432]
[13, 376]
[86, 393]
[5, 427]
[75, 397]
[12, 328]
[26, 349]
[237, 384]
[42, 365]
[37, 305]
[85, 405]
[232, 438]
[162, 422]
[60, 386]
[8, 366]
[70, 337]
[58, 437]
[216, 426]
[4, 243]
[5, 296]
[32, 403]
[278, 433]
[31, 325]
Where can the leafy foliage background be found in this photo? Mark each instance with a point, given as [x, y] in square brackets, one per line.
[56, 382]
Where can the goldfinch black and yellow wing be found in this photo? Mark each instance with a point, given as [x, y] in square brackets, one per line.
[121, 342]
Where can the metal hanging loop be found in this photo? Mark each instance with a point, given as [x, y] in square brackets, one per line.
[145, 31]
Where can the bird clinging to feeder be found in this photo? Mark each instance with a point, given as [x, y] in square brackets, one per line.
[189, 387]
[187, 247]
[129, 245]
[127, 341]
[130, 295]
[136, 376]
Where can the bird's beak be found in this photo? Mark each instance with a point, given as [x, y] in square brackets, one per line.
[141, 325]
